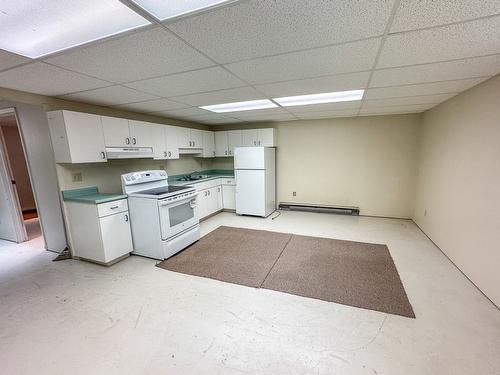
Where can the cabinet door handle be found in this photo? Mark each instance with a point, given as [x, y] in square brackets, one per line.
[126, 217]
[103, 155]
[169, 153]
[113, 208]
[165, 154]
[225, 152]
[213, 152]
[255, 143]
[127, 141]
[134, 141]
[194, 143]
[209, 192]
[259, 143]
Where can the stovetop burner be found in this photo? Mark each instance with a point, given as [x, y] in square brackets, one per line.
[163, 190]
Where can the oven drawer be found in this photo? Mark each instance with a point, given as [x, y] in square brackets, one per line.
[110, 208]
[181, 241]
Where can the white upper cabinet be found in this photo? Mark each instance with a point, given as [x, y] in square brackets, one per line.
[208, 144]
[172, 151]
[141, 133]
[221, 145]
[233, 140]
[164, 142]
[120, 132]
[116, 131]
[226, 141]
[258, 137]
[266, 137]
[249, 137]
[76, 137]
[189, 138]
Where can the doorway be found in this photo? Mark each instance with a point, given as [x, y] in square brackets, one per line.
[19, 221]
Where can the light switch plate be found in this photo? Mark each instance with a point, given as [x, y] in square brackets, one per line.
[76, 177]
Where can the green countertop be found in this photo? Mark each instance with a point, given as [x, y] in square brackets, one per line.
[90, 195]
[211, 173]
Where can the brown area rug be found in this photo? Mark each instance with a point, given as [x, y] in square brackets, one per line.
[351, 273]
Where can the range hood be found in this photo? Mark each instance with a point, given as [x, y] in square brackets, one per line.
[129, 152]
[190, 151]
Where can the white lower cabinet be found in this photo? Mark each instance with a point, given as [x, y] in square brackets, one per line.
[100, 232]
[209, 201]
[228, 193]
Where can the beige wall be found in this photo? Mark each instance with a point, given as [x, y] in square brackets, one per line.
[369, 162]
[458, 194]
[18, 165]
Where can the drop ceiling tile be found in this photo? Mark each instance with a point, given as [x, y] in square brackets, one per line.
[198, 81]
[345, 58]
[221, 121]
[113, 95]
[475, 38]
[342, 82]
[397, 109]
[445, 87]
[258, 28]
[445, 71]
[327, 114]
[268, 117]
[184, 113]
[8, 60]
[221, 96]
[153, 106]
[258, 112]
[40, 78]
[324, 107]
[409, 100]
[141, 55]
[417, 14]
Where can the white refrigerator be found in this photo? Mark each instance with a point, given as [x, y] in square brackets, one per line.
[255, 172]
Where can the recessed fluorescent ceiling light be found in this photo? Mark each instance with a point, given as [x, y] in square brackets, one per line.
[327, 97]
[164, 10]
[240, 106]
[35, 28]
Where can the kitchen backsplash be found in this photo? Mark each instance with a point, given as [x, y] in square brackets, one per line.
[106, 176]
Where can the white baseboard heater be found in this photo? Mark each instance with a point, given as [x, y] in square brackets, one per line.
[340, 210]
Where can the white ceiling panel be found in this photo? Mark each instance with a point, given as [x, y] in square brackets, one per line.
[185, 112]
[345, 58]
[445, 71]
[221, 121]
[327, 114]
[152, 106]
[475, 38]
[262, 117]
[409, 100]
[40, 78]
[141, 55]
[445, 87]
[418, 14]
[261, 27]
[324, 107]
[36, 28]
[8, 60]
[197, 81]
[259, 112]
[342, 82]
[239, 94]
[416, 108]
[113, 95]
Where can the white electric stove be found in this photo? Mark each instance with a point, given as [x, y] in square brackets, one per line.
[164, 219]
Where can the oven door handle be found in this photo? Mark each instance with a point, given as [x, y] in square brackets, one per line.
[180, 201]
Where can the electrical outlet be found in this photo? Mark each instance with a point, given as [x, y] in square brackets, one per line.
[161, 167]
[76, 177]
[294, 193]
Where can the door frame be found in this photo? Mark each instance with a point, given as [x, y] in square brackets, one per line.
[7, 178]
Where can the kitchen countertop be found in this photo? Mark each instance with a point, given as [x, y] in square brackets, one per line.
[90, 195]
[212, 175]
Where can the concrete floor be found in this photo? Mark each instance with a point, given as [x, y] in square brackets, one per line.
[74, 317]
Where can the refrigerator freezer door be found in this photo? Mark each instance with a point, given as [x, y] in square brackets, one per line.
[250, 192]
[249, 158]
